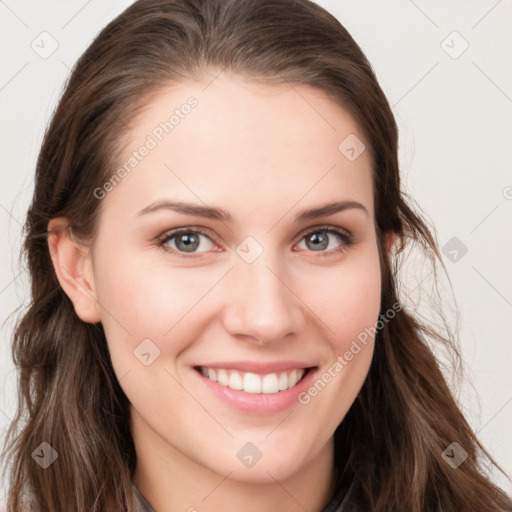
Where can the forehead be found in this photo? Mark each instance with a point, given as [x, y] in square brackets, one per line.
[243, 144]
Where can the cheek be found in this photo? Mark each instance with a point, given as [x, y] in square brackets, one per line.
[347, 299]
[141, 301]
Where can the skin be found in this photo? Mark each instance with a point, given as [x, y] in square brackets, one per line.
[263, 153]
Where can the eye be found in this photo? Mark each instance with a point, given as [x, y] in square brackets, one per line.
[186, 241]
[322, 239]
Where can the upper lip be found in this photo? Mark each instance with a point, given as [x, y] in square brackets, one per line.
[259, 367]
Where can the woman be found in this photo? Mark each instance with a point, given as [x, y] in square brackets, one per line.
[213, 244]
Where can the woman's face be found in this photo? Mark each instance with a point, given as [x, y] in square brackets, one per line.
[256, 290]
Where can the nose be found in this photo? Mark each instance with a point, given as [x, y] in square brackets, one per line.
[261, 305]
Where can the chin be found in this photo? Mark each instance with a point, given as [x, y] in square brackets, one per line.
[249, 465]
[262, 473]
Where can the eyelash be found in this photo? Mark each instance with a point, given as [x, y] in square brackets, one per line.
[347, 239]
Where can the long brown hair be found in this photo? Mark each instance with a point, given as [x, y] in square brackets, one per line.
[393, 436]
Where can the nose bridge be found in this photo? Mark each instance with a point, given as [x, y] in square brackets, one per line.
[260, 303]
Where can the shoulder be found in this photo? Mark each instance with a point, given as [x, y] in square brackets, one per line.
[141, 504]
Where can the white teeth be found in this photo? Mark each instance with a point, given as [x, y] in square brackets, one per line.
[269, 384]
[222, 377]
[236, 381]
[252, 382]
[292, 379]
[283, 381]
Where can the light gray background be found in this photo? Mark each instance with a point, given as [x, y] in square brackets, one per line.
[455, 125]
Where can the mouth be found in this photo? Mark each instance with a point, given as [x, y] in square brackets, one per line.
[255, 383]
[255, 389]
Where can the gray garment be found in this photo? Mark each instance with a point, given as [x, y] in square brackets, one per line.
[343, 500]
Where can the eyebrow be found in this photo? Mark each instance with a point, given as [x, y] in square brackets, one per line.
[210, 212]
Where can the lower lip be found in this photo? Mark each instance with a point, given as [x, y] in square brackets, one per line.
[259, 403]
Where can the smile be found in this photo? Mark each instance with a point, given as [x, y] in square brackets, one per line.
[252, 382]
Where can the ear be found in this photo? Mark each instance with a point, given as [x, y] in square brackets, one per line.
[390, 240]
[73, 267]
